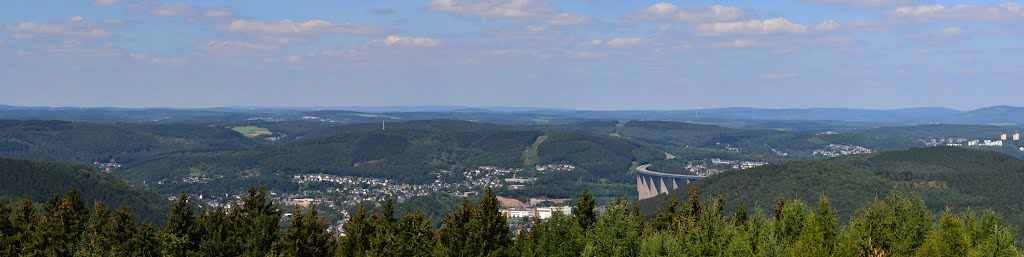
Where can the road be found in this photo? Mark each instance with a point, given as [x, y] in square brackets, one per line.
[642, 169]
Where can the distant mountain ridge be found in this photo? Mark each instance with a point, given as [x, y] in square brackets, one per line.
[995, 115]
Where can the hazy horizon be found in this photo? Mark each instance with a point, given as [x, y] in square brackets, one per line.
[490, 108]
[579, 54]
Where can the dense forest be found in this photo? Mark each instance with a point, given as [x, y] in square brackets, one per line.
[951, 177]
[897, 226]
[38, 180]
[408, 152]
[87, 142]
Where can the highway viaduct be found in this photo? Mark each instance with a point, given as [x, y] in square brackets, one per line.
[650, 184]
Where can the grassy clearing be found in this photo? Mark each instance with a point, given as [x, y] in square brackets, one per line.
[252, 131]
[530, 154]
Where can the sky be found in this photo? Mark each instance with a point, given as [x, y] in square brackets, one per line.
[580, 54]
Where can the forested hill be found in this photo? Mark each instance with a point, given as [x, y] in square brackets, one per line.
[40, 180]
[88, 142]
[944, 176]
[409, 152]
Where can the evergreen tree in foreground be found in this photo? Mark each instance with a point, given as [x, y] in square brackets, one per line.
[896, 226]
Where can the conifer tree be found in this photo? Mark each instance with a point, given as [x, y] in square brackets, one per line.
[356, 241]
[145, 242]
[122, 229]
[96, 239]
[259, 222]
[180, 236]
[7, 230]
[307, 236]
[25, 221]
[665, 214]
[453, 239]
[490, 229]
[414, 236]
[218, 236]
[818, 236]
[999, 243]
[949, 238]
[584, 210]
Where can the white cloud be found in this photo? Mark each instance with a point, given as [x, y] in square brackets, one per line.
[569, 19]
[624, 41]
[166, 61]
[293, 59]
[346, 53]
[154, 60]
[76, 27]
[533, 36]
[769, 26]
[951, 32]
[869, 3]
[182, 10]
[113, 22]
[293, 27]
[828, 25]
[510, 9]
[80, 48]
[493, 8]
[962, 12]
[775, 76]
[217, 13]
[580, 54]
[668, 11]
[104, 2]
[396, 40]
[738, 43]
[178, 9]
[238, 45]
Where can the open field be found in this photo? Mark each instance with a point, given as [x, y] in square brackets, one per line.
[252, 131]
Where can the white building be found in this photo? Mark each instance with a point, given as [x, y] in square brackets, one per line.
[546, 212]
[540, 213]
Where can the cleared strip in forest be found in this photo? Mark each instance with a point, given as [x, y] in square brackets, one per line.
[530, 154]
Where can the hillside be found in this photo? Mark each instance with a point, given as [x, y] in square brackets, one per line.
[943, 130]
[407, 152]
[39, 180]
[696, 141]
[945, 176]
[88, 142]
[995, 115]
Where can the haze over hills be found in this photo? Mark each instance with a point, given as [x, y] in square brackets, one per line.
[840, 117]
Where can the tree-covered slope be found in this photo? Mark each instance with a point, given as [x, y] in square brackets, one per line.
[409, 152]
[87, 142]
[945, 176]
[39, 180]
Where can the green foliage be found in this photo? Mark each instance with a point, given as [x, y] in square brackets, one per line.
[36, 180]
[952, 177]
[86, 143]
[897, 226]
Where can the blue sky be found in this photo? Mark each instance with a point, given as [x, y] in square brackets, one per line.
[583, 54]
